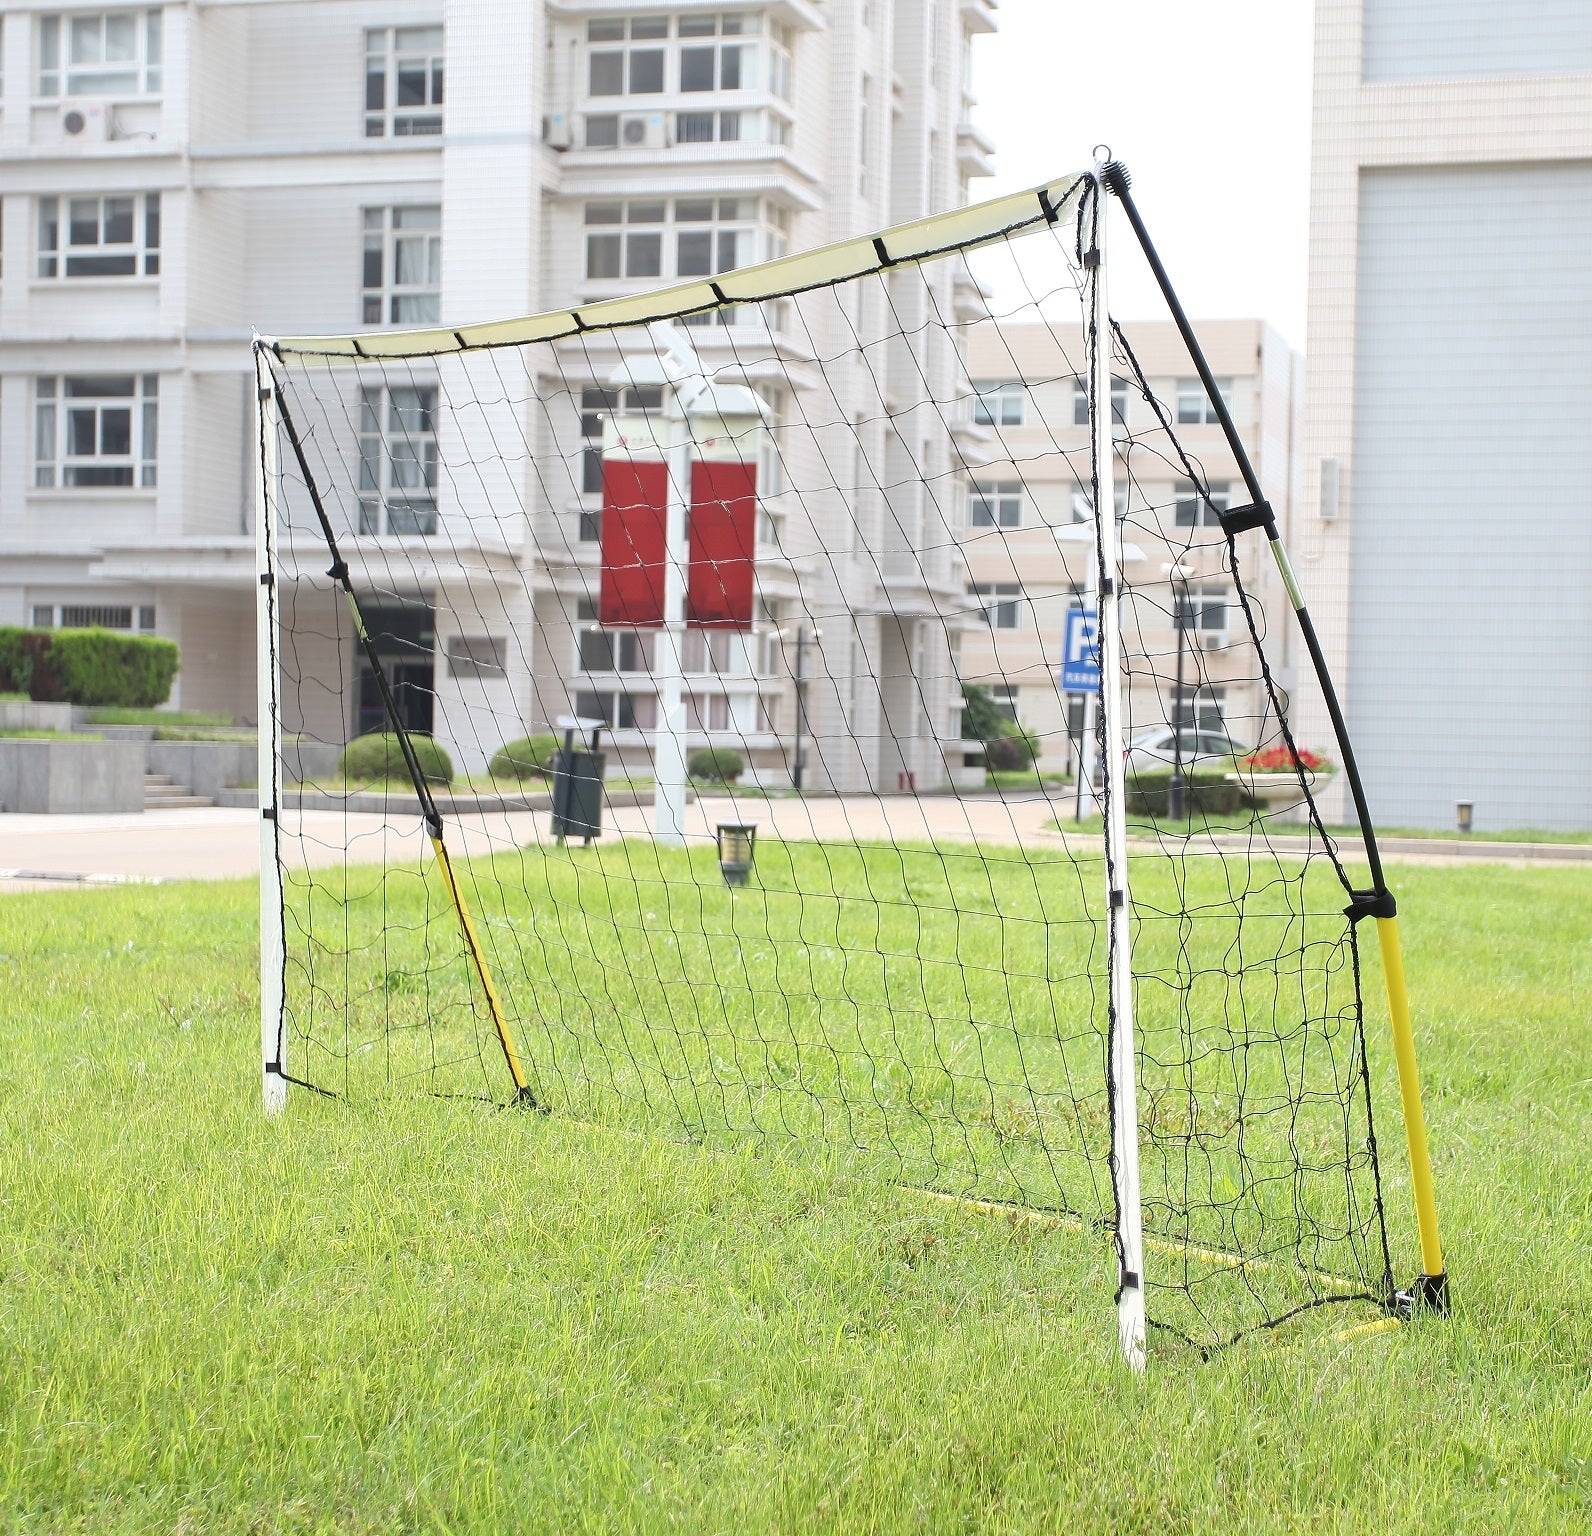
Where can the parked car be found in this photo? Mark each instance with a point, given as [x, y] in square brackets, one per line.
[1154, 749]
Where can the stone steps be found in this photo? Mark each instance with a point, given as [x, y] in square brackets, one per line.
[160, 794]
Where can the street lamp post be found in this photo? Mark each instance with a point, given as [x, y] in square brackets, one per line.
[800, 679]
[1178, 576]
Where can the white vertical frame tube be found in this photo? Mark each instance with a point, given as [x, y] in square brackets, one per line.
[669, 742]
[273, 1035]
[1125, 1106]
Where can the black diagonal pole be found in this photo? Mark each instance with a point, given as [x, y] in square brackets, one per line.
[1258, 514]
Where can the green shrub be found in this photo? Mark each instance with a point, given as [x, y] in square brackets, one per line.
[1206, 791]
[1012, 749]
[87, 666]
[981, 718]
[378, 756]
[715, 765]
[531, 757]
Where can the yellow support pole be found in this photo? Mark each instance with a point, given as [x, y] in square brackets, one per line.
[1432, 1289]
[495, 1007]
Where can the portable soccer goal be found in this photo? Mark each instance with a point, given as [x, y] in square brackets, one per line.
[832, 700]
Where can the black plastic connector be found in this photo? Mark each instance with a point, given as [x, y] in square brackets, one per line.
[1429, 1294]
[885, 258]
[1237, 520]
[525, 1099]
[1371, 904]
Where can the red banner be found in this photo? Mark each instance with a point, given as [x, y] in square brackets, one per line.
[718, 588]
[721, 533]
[635, 508]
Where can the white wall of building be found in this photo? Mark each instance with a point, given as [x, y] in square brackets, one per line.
[1447, 391]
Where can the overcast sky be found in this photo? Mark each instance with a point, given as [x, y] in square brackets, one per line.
[1207, 102]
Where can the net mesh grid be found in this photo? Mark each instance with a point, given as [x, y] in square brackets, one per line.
[919, 977]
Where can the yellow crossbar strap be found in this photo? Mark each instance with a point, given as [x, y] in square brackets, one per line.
[959, 229]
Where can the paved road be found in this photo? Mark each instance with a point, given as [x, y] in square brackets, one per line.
[217, 844]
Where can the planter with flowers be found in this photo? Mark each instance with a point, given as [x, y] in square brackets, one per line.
[1271, 777]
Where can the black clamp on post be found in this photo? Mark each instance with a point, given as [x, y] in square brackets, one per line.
[1428, 1294]
[1257, 514]
[1371, 904]
[338, 571]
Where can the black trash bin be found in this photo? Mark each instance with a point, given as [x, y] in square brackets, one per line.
[578, 784]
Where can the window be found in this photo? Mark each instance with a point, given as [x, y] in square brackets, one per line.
[1194, 511]
[718, 653]
[707, 127]
[1200, 709]
[998, 504]
[95, 430]
[612, 650]
[621, 711]
[403, 81]
[1001, 613]
[626, 71]
[638, 56]
[1194, 406]
[96, 616]
[1080, 402]
[112, 236]
[709, 66]
[780, 68]
[692, 237]
[398, 460]
[1200, 607]
[100, 53]
[403, 266]
[999, 405]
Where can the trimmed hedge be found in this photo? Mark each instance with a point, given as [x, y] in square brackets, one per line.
[378, 756]
[715, 765]
[1206, 791]
[531, 757]
[87, 666]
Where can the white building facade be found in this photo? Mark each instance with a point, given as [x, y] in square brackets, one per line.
[1446, 547]
[174, 174]
[1023, 579]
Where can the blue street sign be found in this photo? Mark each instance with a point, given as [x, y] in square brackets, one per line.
[1080, 660]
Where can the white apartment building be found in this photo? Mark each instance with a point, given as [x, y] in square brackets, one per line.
[1024, 580]
[174, 174]
[1446, 547]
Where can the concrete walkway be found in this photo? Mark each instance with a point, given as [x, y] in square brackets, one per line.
[55, 852]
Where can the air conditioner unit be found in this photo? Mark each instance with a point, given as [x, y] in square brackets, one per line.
[87, 122]
[1215, 640]
[555, 131]
[644, 131]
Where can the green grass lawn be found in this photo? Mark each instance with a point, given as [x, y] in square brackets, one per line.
[431, 1315]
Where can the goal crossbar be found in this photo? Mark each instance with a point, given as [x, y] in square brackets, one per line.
[960, 229]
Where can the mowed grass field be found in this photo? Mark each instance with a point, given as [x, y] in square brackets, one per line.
[431, 1315]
